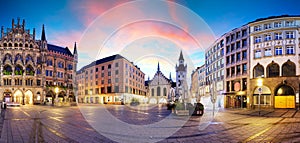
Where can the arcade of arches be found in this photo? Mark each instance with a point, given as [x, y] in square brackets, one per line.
[35, 96]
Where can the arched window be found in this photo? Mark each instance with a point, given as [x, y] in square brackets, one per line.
[28, 58]
[258, 71]
[49, 62]
[273, 70]
[16, 45]
[7, 70]
[288, 69]
[70, 67]
[284, 90]
[38, 71]
[20, 45]
[9, 44]
[29, 70]
[7, 57]
[18, 57]
[60, 65]
[5, 45]
[165, 91]
[158, 91]
[18, 70]
[26, 45]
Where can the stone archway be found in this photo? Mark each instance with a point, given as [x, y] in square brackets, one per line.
[28, 97]
[18, 96]
[284, 97]
[50, 97]
[61, 96]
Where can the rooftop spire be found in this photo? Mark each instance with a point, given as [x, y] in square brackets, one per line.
[170, 77]
[158, 68]
[181, 56]
[75, 49]
[43, 37]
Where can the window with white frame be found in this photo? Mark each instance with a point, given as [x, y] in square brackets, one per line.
[289, 35]
[267, 26]
[268, 52]
[257, 28]
[267, 37]
[289, 23]
[278, 51]
[290, 50]
[278, 36]
[257, 54]
[257, 39]
[277, 24]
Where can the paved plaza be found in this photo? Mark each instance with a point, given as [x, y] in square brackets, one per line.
[118, 123]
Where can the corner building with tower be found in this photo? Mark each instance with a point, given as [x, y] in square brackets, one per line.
[33, 71]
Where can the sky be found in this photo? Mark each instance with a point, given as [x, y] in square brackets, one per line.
[145, 32]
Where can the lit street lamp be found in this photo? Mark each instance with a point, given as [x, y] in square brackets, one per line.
[259, 84]
[56, 90]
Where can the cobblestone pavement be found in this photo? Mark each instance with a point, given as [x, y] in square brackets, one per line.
[74, 124]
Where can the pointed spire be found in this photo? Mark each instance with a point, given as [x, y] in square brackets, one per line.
[170, 77]
[181, 56]
[43, 37]
[75, 49]
[23, 24]
[158, 68]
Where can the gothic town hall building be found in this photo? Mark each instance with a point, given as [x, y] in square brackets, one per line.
[33, 71]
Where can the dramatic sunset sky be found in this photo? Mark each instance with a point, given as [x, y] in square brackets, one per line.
[145, 32]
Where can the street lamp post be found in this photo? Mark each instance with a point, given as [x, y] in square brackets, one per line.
[259, 84]
[56, 94]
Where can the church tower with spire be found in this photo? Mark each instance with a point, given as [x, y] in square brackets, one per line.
[181, 82]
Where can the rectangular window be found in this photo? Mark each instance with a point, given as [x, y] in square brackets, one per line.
[232, 58]
[268, 52]
[268, 37]
[227, 49]
[238, 45]
[290, 35]
[102, 82]
[116, 72]
[116, 80]
[116, 89]
[38, 82]
[109, 73]
[238, 57]
[116, 64]
[257, 54]
[290, 50]
[244, 42]
[109, 81]
[257, 39]
[267, 26]
[102, 74]
[238, 69]
[227, 60]
[232, 71]
[277, 24]
[102, 67]
[244, 68]
[244, 32]
[257, 28]
[278, 36]
[96, 69]
[278, 51]
[244, 55]
[289, 23]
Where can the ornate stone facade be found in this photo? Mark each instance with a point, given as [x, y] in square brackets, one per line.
[31, 69]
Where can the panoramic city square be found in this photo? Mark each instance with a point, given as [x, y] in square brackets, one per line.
[135, 71]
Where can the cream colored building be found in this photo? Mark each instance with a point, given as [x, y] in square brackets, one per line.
[274, 62]
[111, 80]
